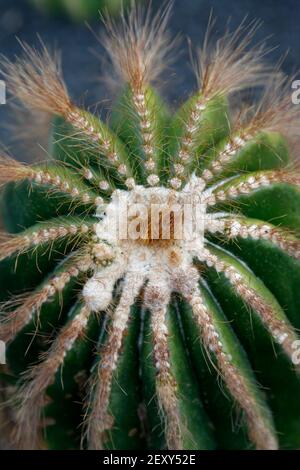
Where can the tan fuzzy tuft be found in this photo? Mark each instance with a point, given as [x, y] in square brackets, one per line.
[276, 112]
[10, 244]
[11, 170]
[229, 65]
[28, 129]
[139, 45]
[35, 79]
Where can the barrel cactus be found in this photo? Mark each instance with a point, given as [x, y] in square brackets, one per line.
[150, 265]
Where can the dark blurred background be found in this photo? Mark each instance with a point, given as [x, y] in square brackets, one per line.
[82, 70]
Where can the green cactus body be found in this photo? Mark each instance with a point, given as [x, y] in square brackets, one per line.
[146, 340]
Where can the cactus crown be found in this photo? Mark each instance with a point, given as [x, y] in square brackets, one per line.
[102, 271]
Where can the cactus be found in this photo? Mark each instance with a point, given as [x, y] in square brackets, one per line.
[79, 10]
[133, 339]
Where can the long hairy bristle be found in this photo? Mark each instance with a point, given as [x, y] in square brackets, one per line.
[166, 386]
[28, 130]
[255, 181]
[229, 65]
[11, 170]
[259, 433]
[283, 239]
[279, 327]
[139, 44]
[17, 312]
[12, 321]
[47, 234]
[10, 244]
[36, 80]
[276, 111]
[32, 393]
[99, 420]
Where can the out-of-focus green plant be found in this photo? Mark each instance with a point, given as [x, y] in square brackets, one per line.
[79, 10]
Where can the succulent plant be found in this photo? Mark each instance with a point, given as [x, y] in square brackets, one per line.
[122, 335]
[79, 10]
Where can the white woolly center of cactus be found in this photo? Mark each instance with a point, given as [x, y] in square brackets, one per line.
[154, 217]
[150, 230]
